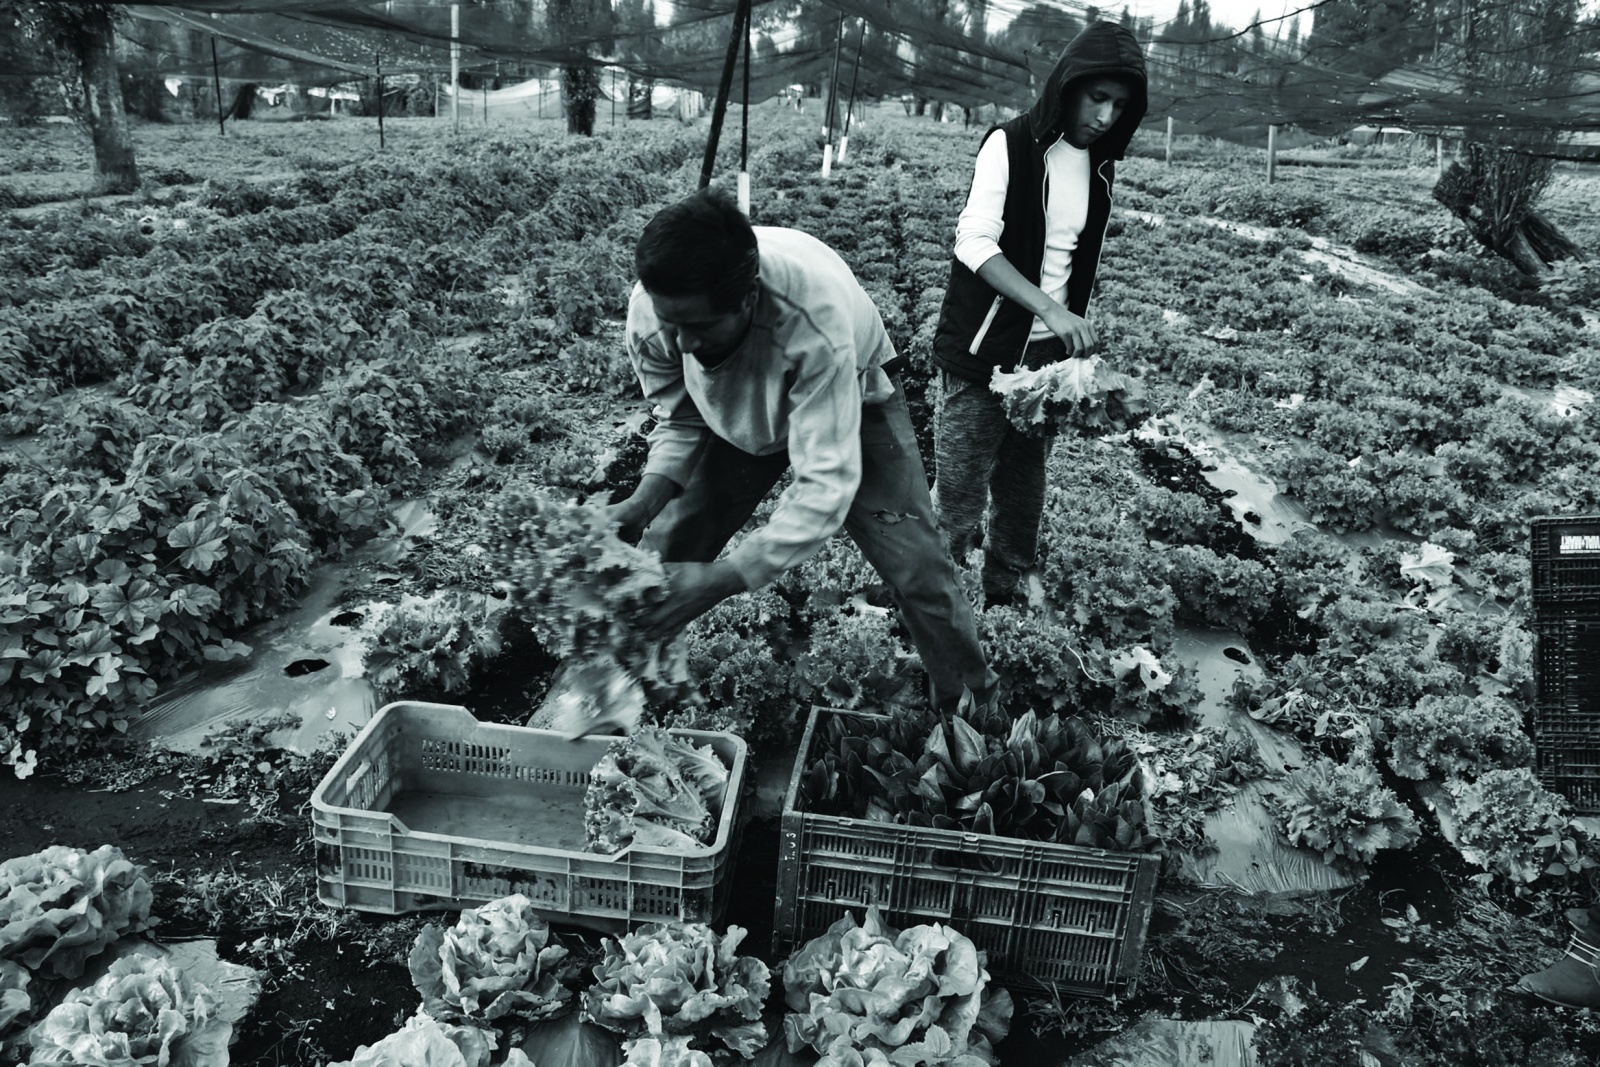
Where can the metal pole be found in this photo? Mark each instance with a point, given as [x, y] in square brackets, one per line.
[455, 66]
[1272, 154]
[833, 81]
[377, 59]
[741, 16]
[744, 129]
[216, 83]
[855, 78]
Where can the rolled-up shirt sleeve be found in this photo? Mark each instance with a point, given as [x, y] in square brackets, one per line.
[680, 435]
[824, 444]
[983, 218]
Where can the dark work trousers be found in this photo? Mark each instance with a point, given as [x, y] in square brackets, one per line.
[891, 520]
[987, 464]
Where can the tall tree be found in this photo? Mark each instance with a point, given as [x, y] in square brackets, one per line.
[579, 21]
[1512, 55]
[78, 39]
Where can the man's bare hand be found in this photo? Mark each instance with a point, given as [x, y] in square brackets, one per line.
[692, 590]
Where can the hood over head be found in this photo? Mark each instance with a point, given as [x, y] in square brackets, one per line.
[1105, 48]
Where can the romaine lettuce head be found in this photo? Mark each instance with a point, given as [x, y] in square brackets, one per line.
[141, 1012]
[61, 906]
[639, 783]
[499, 959]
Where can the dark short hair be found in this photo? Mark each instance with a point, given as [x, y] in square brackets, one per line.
[702, 244]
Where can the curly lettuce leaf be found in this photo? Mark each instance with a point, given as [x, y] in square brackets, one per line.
[681, 979]
[426, 1042]
[142, 1011]
[872, 995]
[500, 959]
[651, 789]
[15, 1000]
[62, 906]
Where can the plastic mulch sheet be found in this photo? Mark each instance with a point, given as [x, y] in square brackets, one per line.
[1252, 856]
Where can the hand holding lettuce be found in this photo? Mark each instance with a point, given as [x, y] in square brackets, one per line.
[871, 996]
[679, 980]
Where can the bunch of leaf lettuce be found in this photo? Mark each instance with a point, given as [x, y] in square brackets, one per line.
[1344, 809]
[143, 1011]
[500, 960]
[425, 1042]
[60, 906]
[1083, 396]
[579, 587]
[680, 979]
[654, 789]
[871, 995]
[1038, 778]
[1457, 736]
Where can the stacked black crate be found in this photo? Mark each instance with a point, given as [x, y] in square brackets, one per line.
[1566, 621]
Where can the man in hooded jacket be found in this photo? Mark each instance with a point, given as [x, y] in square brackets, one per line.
[1027, 246]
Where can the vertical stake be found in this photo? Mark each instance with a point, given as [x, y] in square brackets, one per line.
[455, 66]
[377, 60]
[1272, 154]
[1169, 140]
[216, 83]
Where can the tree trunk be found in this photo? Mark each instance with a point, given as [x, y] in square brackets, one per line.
[579, 88]
[1494, 204]
[114, 168]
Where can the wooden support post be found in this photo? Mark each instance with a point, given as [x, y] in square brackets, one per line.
[455, 66]
[1438, 156]
[216, 83]
[1272, 154]
[1169, 140]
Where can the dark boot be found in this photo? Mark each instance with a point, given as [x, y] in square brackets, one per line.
[1571, 981]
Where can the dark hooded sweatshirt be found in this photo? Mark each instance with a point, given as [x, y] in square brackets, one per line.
[962, 344]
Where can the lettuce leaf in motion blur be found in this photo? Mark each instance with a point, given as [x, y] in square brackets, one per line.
[654, 790]
[870, 994]
[499, 960]
[1082, 396]
[681, 979]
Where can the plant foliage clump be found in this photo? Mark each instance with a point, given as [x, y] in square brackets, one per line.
[1344, 809]
[61, 906]
[1457, 737]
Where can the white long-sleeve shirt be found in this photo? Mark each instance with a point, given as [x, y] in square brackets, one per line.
[1066, 209]
[814, 355]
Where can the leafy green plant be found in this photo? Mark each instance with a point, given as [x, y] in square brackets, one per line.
[1343, 810]
[869, 993]
[62, 906]
[1040, 779]
[142, 1011]
[432, 648]
[1510, 825]
[499, 962]
[654, 789]
[426, 1042]
[1457, 737]
[680, 979]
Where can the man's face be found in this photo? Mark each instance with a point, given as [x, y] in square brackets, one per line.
[1093, 108]
[700, 329]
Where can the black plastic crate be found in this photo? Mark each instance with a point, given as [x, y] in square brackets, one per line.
[1565, 558]
[1567, 672]
[1570, 765]
[1051, 918]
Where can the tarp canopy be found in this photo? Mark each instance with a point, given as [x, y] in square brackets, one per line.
[1523, 66]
